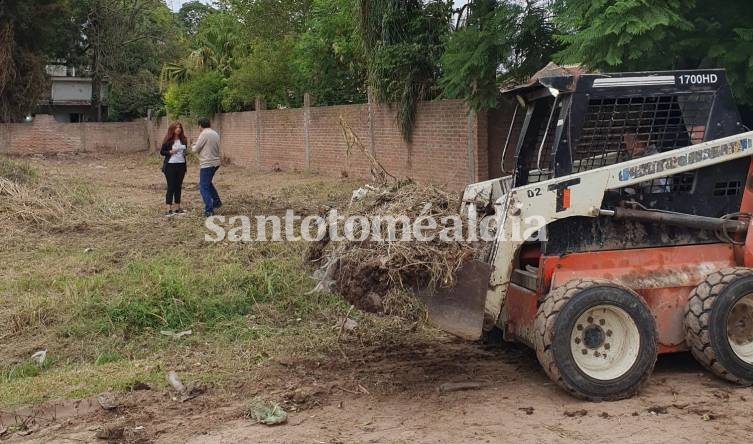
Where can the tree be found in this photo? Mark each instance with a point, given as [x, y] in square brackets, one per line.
[192, 13]
[265, 73]
[613, 35]
[205, 97]
[30, 34]
[328, 59]
[534, 43]
[474, 53]
[620, 33]
[133, 95]
[403, 42]
[498, 42]
[177, 99]
[269, 19]
[217, 45]
[200, 96]
[121, 38]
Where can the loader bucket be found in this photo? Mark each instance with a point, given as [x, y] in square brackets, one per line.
[459, 310]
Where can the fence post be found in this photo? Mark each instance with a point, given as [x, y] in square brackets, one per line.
[371, 104]
[306, 120]
[258, 105]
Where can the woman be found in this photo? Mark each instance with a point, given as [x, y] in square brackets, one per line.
[174, 167]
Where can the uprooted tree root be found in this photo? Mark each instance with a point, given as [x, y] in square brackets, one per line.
[368, 273]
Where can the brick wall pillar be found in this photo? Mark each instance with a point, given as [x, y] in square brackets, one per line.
[306, 123]
[258, 106]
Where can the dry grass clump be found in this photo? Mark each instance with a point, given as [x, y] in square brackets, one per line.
[50, 204]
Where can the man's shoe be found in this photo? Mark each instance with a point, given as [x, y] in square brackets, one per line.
[208, 213]
[217, 204]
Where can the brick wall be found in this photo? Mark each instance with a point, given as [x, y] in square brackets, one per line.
[45, 135]
[499, 121]
[448, 147]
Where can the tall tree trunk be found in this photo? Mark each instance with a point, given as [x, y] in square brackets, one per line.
[96, 48]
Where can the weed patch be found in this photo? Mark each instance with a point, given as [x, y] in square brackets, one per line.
[19, 172]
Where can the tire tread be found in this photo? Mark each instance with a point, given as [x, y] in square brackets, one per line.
[544, 330]
[697, 314]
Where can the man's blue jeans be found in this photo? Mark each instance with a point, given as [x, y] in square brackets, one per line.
[207, 189]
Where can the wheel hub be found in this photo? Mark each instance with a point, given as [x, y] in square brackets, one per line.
[740, 328]
[605, 342]
[593, 337]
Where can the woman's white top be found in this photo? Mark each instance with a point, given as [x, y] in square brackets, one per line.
[180, 152]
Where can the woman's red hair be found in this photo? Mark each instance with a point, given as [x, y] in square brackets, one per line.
[170, 137]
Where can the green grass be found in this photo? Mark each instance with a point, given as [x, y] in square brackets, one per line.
[171, 293]
[107, 357]
[79, 380]
[100, 313]
[17, 171]
[19, 371]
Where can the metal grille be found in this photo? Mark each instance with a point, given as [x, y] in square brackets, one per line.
[619, 129]
[731, 188]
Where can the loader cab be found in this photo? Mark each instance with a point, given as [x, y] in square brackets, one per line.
[569, 122]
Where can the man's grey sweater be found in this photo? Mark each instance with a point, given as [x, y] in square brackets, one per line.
[208, 148]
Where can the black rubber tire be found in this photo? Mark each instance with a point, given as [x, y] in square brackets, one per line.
[555, 320]
[706, 316]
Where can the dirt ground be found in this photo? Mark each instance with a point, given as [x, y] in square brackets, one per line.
[387, 395]
[372, 389]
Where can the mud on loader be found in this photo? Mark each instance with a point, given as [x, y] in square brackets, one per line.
[646, 185]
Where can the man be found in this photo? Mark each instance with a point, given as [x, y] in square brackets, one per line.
[207, 147]
[636, 145]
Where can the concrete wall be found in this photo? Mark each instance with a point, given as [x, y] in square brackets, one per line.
[69, 89]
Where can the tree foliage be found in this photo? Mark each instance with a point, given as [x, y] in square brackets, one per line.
[265, 73]
[122, 41]
[201, 96]
[328, 59]
[625, 33]
[498, 41]
[474, 53]
[403, 41]
[269, 19]
[191, 15]
[30, 34]
[403, 51]
[615, 35]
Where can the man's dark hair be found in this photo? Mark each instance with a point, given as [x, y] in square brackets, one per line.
[204, 122]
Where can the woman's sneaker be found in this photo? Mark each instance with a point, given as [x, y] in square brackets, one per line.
[169, 213]
[179, 211]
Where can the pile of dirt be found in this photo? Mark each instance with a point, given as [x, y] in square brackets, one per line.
[367, 272]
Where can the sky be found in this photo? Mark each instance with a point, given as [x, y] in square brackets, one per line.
[176, 4]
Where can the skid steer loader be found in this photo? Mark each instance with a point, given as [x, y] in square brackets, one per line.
[646, 185]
